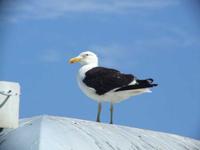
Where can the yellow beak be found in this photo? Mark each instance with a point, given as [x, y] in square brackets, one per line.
[74, 60]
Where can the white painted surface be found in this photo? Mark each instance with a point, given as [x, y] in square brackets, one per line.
[57, 133]
[9, 104]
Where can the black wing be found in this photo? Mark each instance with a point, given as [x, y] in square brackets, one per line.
[104, 80]
[141, 84]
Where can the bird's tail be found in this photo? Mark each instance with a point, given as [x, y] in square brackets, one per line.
[147, 83]
[140, 84]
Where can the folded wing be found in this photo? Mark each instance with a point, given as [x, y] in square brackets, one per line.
[104, 80]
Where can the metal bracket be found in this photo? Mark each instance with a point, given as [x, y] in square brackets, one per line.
[8, 94]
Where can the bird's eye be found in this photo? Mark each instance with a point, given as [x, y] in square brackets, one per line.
[86, 54]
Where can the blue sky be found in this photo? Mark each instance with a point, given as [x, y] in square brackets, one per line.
[149, 38]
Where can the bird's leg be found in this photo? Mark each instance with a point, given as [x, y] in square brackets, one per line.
[99, 112]
[1, 129]
[111, 113]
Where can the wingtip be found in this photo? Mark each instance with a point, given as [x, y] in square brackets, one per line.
[150, 80]
[155, 84]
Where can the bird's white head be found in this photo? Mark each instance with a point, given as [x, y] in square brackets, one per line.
[85, 58]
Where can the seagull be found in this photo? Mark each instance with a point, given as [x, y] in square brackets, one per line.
[106, 84]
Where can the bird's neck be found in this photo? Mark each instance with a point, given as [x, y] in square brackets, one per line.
[85, 68]
[89, 66]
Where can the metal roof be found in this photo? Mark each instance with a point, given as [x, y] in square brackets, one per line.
[59, 133]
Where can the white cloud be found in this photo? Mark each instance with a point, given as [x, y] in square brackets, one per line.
[130, 54]
[50, 56]
[54, 8]
[115, 55]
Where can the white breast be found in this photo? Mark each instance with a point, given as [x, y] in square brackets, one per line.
[90, 92]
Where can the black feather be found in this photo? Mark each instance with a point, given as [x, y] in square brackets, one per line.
[104, 80]
[141, 84]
